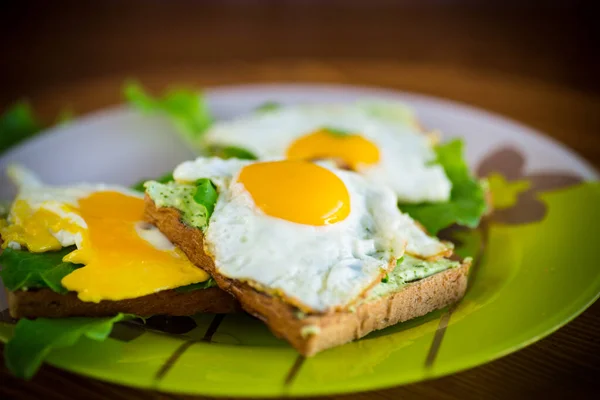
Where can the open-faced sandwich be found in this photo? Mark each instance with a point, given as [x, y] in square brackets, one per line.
[383, 141]
[320, 220]
[72, 255]
[322, 255]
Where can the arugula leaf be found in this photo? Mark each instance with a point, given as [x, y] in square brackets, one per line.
[268, 106]
[33, 340]
[197, 286]
[467, 199]
[187, 109]
[139, 186]
[336, 131]
[226, 152]
[16, 124]
[206, 195]
[22, 269]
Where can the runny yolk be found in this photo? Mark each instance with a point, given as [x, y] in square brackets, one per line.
[353, 150]
[32, 228]
[119, 264]
[297, 191]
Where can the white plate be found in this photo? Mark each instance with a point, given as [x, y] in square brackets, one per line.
[121, 146]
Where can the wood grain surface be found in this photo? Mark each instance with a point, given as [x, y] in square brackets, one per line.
[535, 64]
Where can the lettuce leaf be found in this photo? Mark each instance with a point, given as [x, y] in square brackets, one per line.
[206, 195]
[33, 340]
[22, 269]
[226, 152]
[197, 286]
[467, 199]
[139, 186]
[187, 109]
[16, 124]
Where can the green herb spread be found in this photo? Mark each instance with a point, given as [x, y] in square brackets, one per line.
[181, 197]
[410, 269]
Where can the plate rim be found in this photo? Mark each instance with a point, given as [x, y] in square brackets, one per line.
[373, 91]
[124, 108]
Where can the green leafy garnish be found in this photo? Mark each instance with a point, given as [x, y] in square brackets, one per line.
[336, 131]
[226, 152]
[467, 199]
[22, 269]
[181, 197]
[206, 195]
[268, 106]
[33, 340]
[187, 109]
[196, 286]
[163, 179]
[19, 123]
[16, 124]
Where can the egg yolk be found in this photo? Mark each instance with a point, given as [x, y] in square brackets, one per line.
[353, 150]
[32, 228]
[119, 264]
[297, 191]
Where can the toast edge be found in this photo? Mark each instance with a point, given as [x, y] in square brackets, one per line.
[44, 303]
[314, 333]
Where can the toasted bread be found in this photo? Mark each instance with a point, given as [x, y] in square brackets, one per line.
[312, 333]
[44, 303]
[48, 304]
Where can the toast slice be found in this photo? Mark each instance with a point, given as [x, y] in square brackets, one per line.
[44, 303]
[312, 333]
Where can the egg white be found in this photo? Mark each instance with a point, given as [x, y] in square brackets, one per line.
[317, 267]
[54, 198]
[406, 155]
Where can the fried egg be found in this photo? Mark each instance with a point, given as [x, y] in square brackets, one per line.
[123, 257]
[380, 140]
[318, 236]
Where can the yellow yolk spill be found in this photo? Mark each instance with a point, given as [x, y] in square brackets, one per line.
[353, 150]
[297, 191]
[32, 228]
[119, 264]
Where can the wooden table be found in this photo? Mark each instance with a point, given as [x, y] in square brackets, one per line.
[535, 66]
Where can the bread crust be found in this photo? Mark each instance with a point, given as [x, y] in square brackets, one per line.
[310, 334]
[44, 303]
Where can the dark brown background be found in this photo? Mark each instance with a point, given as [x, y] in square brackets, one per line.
[537, 62]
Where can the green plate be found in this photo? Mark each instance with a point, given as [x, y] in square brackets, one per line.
[535, 261]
